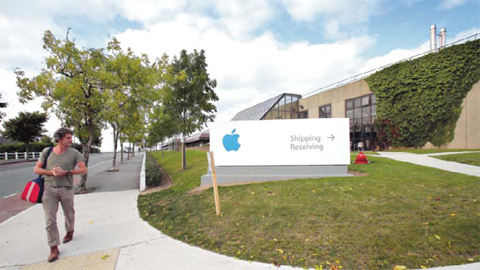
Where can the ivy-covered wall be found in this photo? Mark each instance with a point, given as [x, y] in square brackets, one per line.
[420, 101]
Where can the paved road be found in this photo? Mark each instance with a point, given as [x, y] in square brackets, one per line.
[13, 177]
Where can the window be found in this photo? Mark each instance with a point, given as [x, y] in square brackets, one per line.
[326, 111]
[285, 108]
[303, 115]
[349, 104]
[366, 111]
[274, 114]
[350, 114]
[365, 100]
[361, 108]
[362, 114]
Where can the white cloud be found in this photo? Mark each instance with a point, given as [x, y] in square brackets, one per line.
[339, 16]
[249, 67]
[449, 4]
[150, 10]
[402, 54]
[464, 34]
[241, 17]
[249, 72]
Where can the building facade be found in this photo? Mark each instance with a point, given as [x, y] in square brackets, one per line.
[356, 102]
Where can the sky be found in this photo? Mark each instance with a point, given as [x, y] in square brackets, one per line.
[254, 49]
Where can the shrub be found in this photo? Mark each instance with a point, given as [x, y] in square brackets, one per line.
[152, 172]
[20, 147]
[79, 147]
[36, 147]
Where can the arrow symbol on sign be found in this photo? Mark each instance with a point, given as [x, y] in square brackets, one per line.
[333, 137]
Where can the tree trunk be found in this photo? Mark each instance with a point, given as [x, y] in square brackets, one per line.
[27, 146]
[121, 151]
[86, 154]
[133, 150]
[184, 158]
[116, 133]
[162, 148]
[129, 151]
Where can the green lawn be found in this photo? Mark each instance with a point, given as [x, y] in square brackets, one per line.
[399, 214]
[467, 158]
[365, 152]
[430, 151]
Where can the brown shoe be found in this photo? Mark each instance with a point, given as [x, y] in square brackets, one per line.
[68, 237]
[53, 254]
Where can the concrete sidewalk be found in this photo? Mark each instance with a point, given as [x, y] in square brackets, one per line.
[426, 160]
[109, 234]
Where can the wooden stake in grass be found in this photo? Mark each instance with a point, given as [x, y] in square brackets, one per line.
[215, 187]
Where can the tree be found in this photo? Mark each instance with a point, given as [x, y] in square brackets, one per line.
[135, 133]
[84, 136]
[161, 127]
[26, 127]
[2, 105]
[73, 84]
[46, 139]
[189, 94]
[136, 80]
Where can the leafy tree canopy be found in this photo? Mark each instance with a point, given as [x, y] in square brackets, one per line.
[2, 105]
[190, 94]
[26, 127]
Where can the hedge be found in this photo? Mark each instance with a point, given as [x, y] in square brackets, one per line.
[35, 147]
[20, 147]
[152, 172]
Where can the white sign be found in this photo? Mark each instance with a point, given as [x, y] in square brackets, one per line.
[281, 142]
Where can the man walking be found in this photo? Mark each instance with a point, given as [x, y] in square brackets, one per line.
[59, 173]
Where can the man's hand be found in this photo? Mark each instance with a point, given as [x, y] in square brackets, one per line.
[58, 171]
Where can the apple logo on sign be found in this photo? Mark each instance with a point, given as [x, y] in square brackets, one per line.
[230, 142]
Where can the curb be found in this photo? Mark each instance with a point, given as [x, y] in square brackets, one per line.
[18, 161]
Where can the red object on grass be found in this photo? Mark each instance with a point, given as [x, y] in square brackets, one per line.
[361, 159]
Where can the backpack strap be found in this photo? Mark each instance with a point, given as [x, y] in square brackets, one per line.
[46, 158]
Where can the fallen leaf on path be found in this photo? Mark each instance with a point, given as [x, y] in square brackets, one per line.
[104, 257]
[400, 267]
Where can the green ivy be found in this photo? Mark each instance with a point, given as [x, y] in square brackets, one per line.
[420, 101]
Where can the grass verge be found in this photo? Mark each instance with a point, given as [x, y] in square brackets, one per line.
[365, 152]
[399, 214]
[467, 158]
[430, 151]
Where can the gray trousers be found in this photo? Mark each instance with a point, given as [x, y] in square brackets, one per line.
[51, 197]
